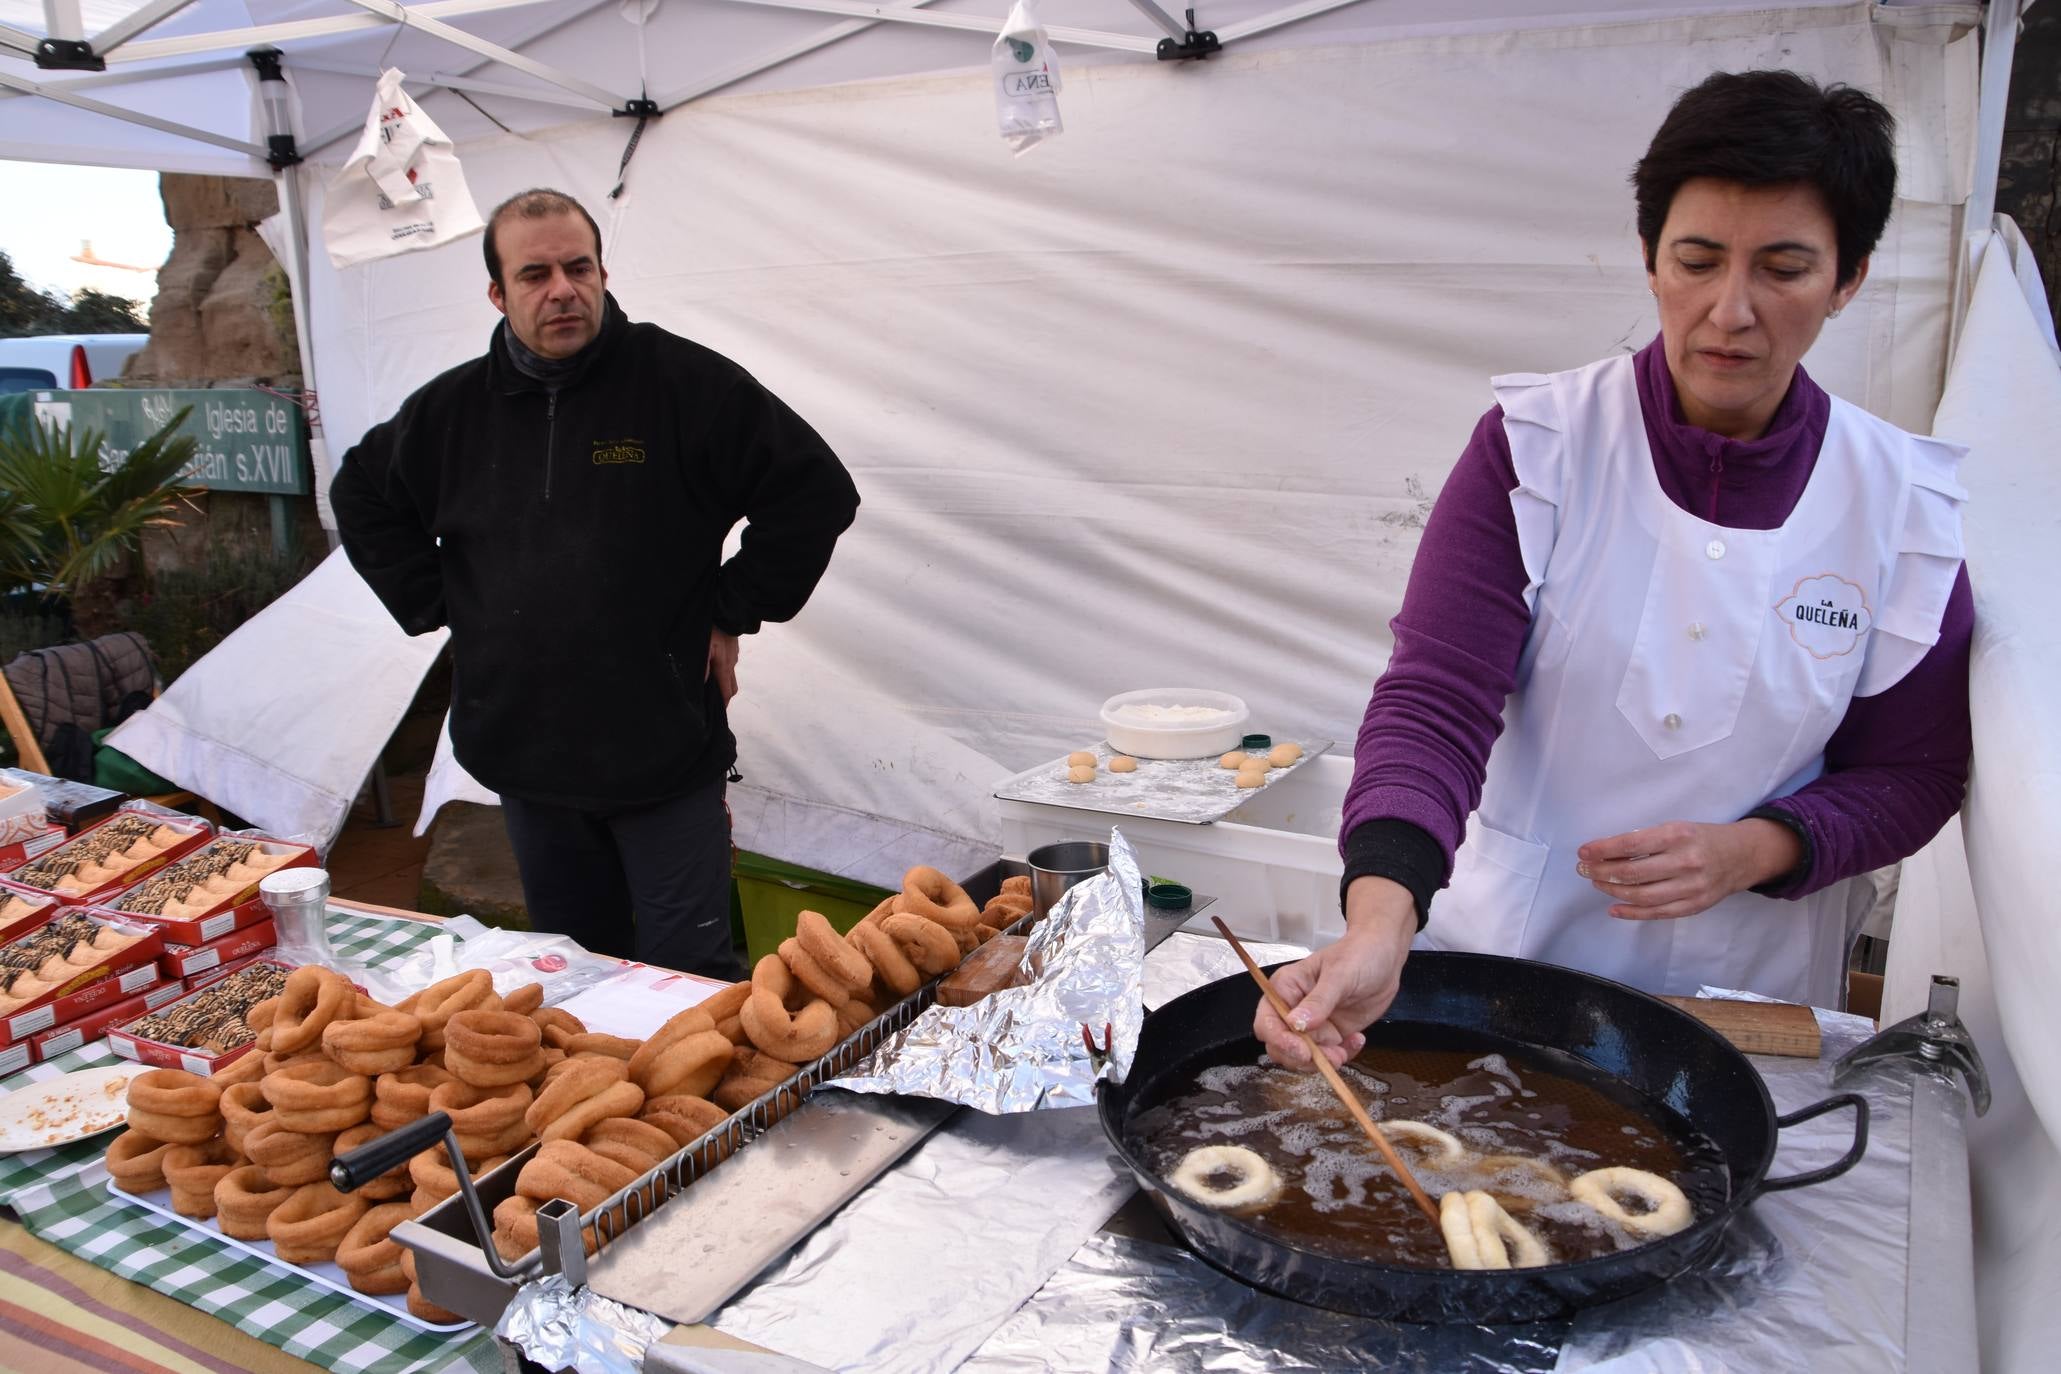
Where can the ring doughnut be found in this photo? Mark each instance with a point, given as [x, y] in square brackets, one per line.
[309, 1225]
[490, 1049]
[261, 1013]
[1667, 1208]
[929, 893]
[1481, 1235]
[685, 1119]
[524, 999]
[685, 1055]
[174, 1106]
[273, 1063]
[1252, 1181]
[287, 1156]
[403, 1095]
[1492, 1165]
[380, 1043]
[369, 1256]
[193, 1171]
[558, 1026]
[725, 1004]
[896, 973]
[245, 1199]
[314, 996]
[318, 1099]
[136, 1162]
[487, 1121]
[854, 1014]
[739, 1090]
[243, 1106]
[248, 1067]
[595, 1045]
[818, 980]
[568, 1169]
[832, 952]
[1445, 1149]
[807, 1034]
[389, 1185]
[434, 1179]
[436, 1004]
[928, 945]
[637, 1145]
[587, 1090]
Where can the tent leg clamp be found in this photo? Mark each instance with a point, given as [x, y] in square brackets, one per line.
[638, 109]
[68, 55]
[1193, 48]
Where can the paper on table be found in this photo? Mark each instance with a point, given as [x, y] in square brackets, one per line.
[638, 1000]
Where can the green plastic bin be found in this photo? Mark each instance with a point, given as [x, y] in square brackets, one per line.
[771, 896]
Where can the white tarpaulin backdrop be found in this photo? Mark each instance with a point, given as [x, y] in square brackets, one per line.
[1168, 400]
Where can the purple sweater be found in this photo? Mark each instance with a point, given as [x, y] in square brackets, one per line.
[1895, 768]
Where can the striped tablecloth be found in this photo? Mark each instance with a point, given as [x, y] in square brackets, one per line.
[61, 1197]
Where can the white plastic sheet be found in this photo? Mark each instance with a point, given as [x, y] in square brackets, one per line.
[2001, 932]
[281, 722]
[1169, 401]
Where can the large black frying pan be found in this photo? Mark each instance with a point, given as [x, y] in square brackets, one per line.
[1613, 1031]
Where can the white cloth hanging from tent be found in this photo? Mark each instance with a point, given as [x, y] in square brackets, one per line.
[1167, 402]
[1980, 902]
[282, 721]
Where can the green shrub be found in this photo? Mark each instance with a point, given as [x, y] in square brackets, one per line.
[185, 614]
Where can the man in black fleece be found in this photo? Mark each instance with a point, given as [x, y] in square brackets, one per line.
[561, 503]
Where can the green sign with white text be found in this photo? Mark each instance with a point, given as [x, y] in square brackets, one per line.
[244, 440]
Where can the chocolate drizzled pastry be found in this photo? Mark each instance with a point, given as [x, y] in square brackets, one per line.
[214, 1017]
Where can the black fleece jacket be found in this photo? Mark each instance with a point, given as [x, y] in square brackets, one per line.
[572, 540]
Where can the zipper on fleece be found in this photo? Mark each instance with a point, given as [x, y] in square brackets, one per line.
[551, 433]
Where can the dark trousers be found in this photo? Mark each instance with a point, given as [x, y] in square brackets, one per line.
[649, 883]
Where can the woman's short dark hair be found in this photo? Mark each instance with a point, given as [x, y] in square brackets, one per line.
[536, 203]
[1770, 128]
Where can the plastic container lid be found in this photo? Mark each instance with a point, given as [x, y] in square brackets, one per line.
[1253, 742]
[1168, 897]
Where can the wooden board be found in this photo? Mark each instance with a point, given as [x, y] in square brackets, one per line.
[988, 969]
[1780, 1028]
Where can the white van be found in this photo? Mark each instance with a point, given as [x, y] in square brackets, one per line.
[69, 361]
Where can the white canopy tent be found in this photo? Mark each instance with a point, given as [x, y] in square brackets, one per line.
[1165, 400]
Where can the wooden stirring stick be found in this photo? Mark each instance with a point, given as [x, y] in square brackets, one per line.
[1331, 1076]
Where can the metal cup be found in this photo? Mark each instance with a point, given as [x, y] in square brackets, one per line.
[1057, 867]
[298, 899]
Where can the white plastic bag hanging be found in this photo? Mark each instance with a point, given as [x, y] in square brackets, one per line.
[402, 188]
[1026, 80]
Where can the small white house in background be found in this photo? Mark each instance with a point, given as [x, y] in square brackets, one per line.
[70, 361]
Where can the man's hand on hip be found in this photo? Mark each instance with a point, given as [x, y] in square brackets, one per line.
[722, 662]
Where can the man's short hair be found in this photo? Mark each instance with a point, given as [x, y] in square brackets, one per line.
[539, 202]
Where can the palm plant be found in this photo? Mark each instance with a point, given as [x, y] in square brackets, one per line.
[68, 517]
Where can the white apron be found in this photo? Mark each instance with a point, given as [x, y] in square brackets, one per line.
[1680, 670]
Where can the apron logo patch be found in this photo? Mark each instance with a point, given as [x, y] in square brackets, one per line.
[1826, 614]
[618, 451]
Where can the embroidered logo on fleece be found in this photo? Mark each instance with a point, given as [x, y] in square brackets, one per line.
[618, 451]
[1826, 614]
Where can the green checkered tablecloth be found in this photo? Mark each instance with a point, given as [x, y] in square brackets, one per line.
[61, 1196]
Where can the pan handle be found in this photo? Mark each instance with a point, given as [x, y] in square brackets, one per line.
[1838, 1166]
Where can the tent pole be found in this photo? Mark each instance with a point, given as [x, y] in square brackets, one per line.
[127, 27]
[974, 23]
[100, 107]
[415, 19]
[1993, 101]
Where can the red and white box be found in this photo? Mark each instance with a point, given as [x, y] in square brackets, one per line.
[209, 977]
[22, 909]
[120, 973]
[192, 833]
[90, 1027]
[183, 961]
[124, 1041]
[219, 913]
[26, 845]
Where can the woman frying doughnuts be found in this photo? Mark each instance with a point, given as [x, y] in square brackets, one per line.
[1712, 619]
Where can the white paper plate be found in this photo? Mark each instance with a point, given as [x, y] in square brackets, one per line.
[60, 1110]
[329, 1275]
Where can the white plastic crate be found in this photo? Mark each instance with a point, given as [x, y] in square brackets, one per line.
[1272, 864]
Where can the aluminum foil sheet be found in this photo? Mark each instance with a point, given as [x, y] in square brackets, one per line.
[917, 1271]
[1194, 791]
[1133, 1307]
[1020, 1049]
[563, 1327]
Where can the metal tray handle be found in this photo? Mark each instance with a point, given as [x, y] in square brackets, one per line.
[1837, 1166]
